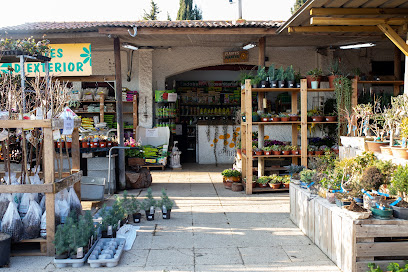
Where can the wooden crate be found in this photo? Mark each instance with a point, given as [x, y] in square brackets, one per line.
[350, 244]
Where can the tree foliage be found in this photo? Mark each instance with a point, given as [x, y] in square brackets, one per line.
[187, 12]
[297, 5]
[152, 14]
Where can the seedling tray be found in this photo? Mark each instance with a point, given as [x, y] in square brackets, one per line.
[106, 253]
[75, 263]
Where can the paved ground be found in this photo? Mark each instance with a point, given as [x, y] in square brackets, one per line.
[212, 229]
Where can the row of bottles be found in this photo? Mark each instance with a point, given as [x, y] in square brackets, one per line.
[166, 112]
[171, 125]
[186, 110]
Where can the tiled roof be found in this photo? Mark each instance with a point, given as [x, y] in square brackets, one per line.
[93, 26]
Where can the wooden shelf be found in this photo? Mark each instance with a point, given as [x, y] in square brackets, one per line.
[275, 156]
[320, 90]
[323, 122]
[269, 189]
[260, 90]
[97, 101]
[392, 82]
[277, 123]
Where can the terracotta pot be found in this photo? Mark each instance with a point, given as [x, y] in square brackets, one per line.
[94, 144]
[286, 152]
[275, 119]
[375, 146]
[263, 185]
[102, 144]
[258, 153]
[319, 152]
[85, 144]
[331, 118]
[294, 118]
[275, 185]
[400, 152]
[267, 153]
[228, 184]
[285, 119]
[229, 179]
[317, 118]
[276, 152]
[108, 143]
[294, 152]
[331, 80]
[239, 153]
[265, 119]
[285, 185]
[386, 150]
[310, 152]
[236, 179]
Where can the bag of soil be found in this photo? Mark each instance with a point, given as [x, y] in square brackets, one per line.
[74, 202]
[32, 221]
[25, 203]
[43, 230]
[61, 211]
[36, 180]
[11, 223]
[42, 203]
[5, 199]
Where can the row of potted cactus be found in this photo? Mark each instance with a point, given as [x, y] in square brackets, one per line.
[277, 150]
[274, 181]
[281, 117]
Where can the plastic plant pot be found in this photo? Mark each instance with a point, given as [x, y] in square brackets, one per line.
[382, 214]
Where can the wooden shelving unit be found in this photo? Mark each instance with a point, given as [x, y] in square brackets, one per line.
[395, 83]
[246, 129]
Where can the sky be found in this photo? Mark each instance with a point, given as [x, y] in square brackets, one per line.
[132, 10]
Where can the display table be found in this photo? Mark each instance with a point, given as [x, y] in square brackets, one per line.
[350, 244]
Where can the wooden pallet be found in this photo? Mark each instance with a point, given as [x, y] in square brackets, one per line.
[30, 247]
[153, 166]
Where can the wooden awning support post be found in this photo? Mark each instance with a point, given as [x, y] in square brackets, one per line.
[119, 111]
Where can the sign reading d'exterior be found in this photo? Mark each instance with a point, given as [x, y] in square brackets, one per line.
[66, 60]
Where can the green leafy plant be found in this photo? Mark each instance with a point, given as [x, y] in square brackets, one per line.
[315, 73]
[165, 201]
[290, 73]
[61, 240]
[343, 91]
[26, 45]
[130, 204]
[262, 75]
[334, 67]
[263, 180]
[244, 76]
[311, 148]
[149, 201]
[287, 148]
[372, 178]
[293, 168]
[267, 148]
[307, 175]
[275, 179]
[276, 148]
[280, 74]
[230, 173]
[399, 181]
[272, 72]
[282, 114]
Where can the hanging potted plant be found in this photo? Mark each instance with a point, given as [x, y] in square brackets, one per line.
[276, 149]
[275, 181]
[314, 76]
[280, 77]
[149, 205]
[334, 71]
[290, 76]
[263, 181]
[262, 75]
[272, 76]
[165, 204]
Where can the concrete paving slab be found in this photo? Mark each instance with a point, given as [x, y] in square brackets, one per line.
[218, 256]
[135, 257]
[173, 241]
[166, 257]
[263, 255]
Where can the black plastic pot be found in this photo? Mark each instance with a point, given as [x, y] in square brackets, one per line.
[274, 84]
[149, 216]
[254, 86]
[264, 84]
[123, 221]
[62, 256]
[5, 244]
[105, 234]
[137, 217]
[281, 84]
[298, 85]
[291, 84]
[167, 214]
[401, 213]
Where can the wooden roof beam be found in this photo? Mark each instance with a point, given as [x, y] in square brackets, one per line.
[313, 29]
[188, 31]
[356, 21]
[356, 11]
[394, 37]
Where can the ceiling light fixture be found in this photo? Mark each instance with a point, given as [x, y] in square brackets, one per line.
[356, 46]
[129, 46]
[249, 46]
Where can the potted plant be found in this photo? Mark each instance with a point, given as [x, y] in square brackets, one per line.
[244, 76]
[265, 117]
[149, 205]
[275, 118]
[272, 76]
[294, 150]
[286, 181]
[258, 151]
[131, 207]
[276, 149]
[255, 81]
[165, 204]
[306, 176]
[280, 77]
[317, 117]
[331, 117]
[293, 117]
[263, 181]
[275, 181]
[267, 150]
[402, 151]
[294, 170]
[286, 149]
[314, 76]
[61, 242]
[335, 149]
[284, 117]
[321, 150]
[334, 71]
[290, 76]
[399, 186]
[298, 77]
[311, 150]
[231, 175]
[255, 117]
[262, 75]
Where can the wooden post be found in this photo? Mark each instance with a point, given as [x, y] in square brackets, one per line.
[294, 107]
[261, 55]
[102, 108]
[76, 159]
[248, 124]
[303, 130]
[119, 111]
[243, 137]
[135, 115]
[48, 168]
[406, 73]
[261, 135]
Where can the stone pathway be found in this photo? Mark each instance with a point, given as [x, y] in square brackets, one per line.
[211, 229]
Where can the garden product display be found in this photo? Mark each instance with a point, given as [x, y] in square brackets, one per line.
[107, 252]
[74, 263]
[32, 221]
[11, 223]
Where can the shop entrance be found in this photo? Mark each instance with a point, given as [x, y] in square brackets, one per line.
[206, 122]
